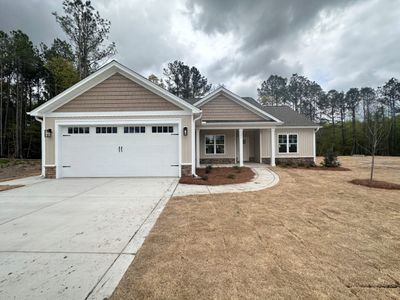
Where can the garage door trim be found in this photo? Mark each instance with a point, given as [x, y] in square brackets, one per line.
[88, 122]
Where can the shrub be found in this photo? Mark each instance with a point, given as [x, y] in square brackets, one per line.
[231, 176]
[205, 177]
[237, 169]
[208, 169]
[330, 159]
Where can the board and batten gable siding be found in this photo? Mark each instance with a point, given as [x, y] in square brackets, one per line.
[223, 109]
[118, 93]
[304, 142]
[186, 121]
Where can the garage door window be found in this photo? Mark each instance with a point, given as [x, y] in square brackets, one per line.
[78, 130]
[106, 130]
[135, 129]
[162, 129]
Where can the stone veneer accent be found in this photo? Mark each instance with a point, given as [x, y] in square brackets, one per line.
[288, 160]
[186, 170]
[216, 161]
[50, 172]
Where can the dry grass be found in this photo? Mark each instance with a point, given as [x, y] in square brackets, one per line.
[9, 187]
[18, 168]
[313, 236]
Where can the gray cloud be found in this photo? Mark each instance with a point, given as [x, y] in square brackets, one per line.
[338, 43]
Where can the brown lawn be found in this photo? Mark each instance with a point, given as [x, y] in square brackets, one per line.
[18, 168]
[9, 187]
[219, 176]
[313, 236]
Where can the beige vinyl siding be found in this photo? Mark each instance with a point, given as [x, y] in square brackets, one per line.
[186, 140]
[224, 109]
[229, 143]
[304, 142]
[117, 93]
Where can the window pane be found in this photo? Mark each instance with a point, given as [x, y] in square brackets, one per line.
[87, 130]
[108, 129]
[154, 129]
[219, 139]
[70, 130]
[293, 148]
[293, 138]
[282, 148]
[210, 149]
[131, 129]
[282, 138]
[76, 130]
[80, 129]
[171, 129]
[165, 129]
[98, 130]
[210, 139]
[103, 129]
[137, 129]
[220, 149]
[142, 129]
[114, 129]
[126, 129]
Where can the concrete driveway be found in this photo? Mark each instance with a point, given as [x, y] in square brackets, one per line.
[74, 238]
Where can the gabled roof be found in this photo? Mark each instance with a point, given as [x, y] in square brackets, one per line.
[287, 115]
[250, 106]
[100, 75]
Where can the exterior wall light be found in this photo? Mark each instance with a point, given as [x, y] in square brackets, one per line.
[185, 131]
[47, 133]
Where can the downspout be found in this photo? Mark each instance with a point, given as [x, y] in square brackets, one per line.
[194, 144]
[42, 143]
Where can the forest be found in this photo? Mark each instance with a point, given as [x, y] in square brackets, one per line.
[32, 74]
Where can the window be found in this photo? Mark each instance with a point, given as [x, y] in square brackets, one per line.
[162, 129]
[78, 130]
[215, 144]
[106, 129]
[135, 129]
[287, 143]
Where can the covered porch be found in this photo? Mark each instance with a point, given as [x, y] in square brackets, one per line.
[235, 146]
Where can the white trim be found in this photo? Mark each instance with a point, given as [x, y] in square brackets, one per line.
[42, 144]
[287, 143]
[240, 147]
[197, 147]
[299, 127]
[102, 74]
[260, 141]
[234, 131]
[118, 114]
[272, 159]
[59, 123]
[314, 147]
[215, 144]
[236, 98]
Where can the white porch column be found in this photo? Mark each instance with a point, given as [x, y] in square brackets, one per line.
[272, 147]
[241, 147]
[197, 148]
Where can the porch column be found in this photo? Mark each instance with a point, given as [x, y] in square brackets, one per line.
[241, 147]
[197, 148]
[272, 147]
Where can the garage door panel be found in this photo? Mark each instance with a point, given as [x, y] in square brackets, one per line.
[119, 154]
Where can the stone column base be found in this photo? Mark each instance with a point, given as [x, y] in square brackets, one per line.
[186, 170]
[50, 172]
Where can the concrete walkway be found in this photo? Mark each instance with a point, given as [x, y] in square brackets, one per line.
[265, 178]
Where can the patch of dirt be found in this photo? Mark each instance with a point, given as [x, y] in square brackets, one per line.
[320, 168]
[9, 187]
[312, 236]
[376, 184]
[219, 176]
[18, 168]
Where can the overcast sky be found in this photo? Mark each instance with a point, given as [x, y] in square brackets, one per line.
[338, 43]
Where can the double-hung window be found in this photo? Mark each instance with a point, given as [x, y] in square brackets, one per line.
[215, 144]
[287, 143]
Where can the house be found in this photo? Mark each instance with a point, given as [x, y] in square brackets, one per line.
[117, 123]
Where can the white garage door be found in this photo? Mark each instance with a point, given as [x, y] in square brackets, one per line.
[119, 151]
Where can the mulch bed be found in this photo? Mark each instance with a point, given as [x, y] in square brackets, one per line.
[9, 187]
[376, 184]
[219, 176]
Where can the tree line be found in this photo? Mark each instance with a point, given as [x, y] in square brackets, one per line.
[345, 116]
[32, 74]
